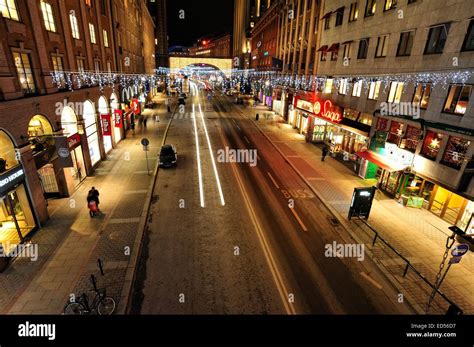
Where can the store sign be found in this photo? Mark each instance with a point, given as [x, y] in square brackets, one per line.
[326, 110]
[11, 178]
[305, 105]
[62, 151]
[74, 140]
[135, 105]
[118, 114]
[106, 127]
[398, 155]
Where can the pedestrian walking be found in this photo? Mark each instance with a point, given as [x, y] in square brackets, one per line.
[169, 109]
[325, 153]
[93, 195]
[145, 119]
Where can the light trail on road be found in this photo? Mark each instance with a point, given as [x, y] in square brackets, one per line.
[201, 192]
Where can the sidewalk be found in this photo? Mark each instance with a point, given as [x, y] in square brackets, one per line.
[71, 242]
[417, 234]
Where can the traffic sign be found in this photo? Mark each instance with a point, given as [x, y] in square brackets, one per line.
[145, 141]
[455, 260]
[460, 250]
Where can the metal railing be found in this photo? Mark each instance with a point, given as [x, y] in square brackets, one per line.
[408, 264]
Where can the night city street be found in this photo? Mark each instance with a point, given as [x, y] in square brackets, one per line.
[260, 168]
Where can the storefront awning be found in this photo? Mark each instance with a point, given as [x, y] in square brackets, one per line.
[334, 47]
[380, 161]
[323, 48]
[327, 15]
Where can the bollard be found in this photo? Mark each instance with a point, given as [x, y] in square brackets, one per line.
[256, 116]
[94, 282]
[99, 264]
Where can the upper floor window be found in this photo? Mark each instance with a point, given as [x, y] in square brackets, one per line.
[74, 26]
[57, 64]
[89, 3]
[406, 43]
[25, 73]
[357, 88]
[468, 44]
[343, 86]
[422, 95]
[374, 89]
[437, 39]
[390, 4]
[328, 86]
[382, 46]
[458, 99]
[339, 16]
[80, 64]
[395, 94]
[8, 9]
[48, 17]
[370, 7]
[363, 48]
[106, 38]
[455, 152]
[92, 32]
[326, 22]
[353, 12]
[347, 51]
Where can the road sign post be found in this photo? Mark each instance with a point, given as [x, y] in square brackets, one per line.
[145, 142]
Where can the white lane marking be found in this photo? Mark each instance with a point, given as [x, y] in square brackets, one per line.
[218, 181]
[201, 192]
[273, 180]
[246, 139]
[298, 219]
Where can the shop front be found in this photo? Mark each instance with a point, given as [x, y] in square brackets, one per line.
[105, 122]
[117, 115]
[16, 214]
[90, 126]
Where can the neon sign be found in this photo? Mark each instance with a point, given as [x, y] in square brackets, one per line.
[328, 111]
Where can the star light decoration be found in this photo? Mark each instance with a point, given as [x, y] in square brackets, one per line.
[258, 80]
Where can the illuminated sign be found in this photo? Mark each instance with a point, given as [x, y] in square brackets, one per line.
[11, 178]
[265, 53]
[328, 111]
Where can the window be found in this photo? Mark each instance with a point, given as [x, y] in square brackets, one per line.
[316, 21]
[25, 74]
[89, 3]
[8, 9]
[328, 86]
[412, 137]
[382, 46]
[74, 26]
[97, 65]
[431, 145]
[109, 66]
[395, 133]
[323, 55]
[374, 89]
[339, 16]
[347, 51]
[468, 44]
[335, 54]
[458, 99]
[357, 88]
[103, 7]
[353, 12]
[390, 4]
[326, 22]
[455, 152]
[57, 64]
[363, 49]
[422, 95]
[343, 86]
[80, 64]
[395, 94]
[92, 32]
[370, 8]
[406, 43]
[106, 38]
[437, 39]
[48, 16]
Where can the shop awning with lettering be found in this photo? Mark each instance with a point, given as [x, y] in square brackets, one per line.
[379, 160]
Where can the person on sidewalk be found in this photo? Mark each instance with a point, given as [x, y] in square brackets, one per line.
[325, 153]
[93, 195]
[145, 119]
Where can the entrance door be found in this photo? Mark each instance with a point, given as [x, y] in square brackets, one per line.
[78, 170]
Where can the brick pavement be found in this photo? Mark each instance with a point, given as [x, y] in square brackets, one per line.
[71, 242]
[418, 234]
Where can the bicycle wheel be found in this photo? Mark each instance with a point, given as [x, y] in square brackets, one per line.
[106, 306]
[75, 308]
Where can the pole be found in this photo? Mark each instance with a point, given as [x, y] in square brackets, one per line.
[147, 164]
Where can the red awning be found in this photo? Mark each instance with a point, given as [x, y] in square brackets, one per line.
[334, 47]
[323, 48]
[379, 160]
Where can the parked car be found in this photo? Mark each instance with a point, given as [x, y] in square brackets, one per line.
[168, 156]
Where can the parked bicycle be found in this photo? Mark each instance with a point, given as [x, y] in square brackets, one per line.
[102, 304]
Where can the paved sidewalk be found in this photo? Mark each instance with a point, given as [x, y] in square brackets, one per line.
[417, 234]
[71, 242]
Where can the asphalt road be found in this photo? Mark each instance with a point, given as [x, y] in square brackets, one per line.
[238, 238]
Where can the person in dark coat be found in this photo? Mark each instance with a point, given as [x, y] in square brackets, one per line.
[325, 153]
[93, 195]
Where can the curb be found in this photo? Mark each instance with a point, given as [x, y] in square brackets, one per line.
[410, 301]
[127, 290]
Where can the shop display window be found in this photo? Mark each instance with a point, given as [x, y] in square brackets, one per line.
[455, 152]
[8, 158]
[395, 134]
[382, 124]
[40, 134]
[431, 145]
[365, 118]
[412, 137]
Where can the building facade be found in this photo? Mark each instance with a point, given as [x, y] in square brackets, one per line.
[398, 103]
[157, 9]
[212, 47]
[50, 138]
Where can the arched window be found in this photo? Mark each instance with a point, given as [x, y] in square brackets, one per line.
[90, 125]
[69, 121]
[7, 152]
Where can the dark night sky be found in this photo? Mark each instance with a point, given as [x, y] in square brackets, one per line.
[202, 17]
